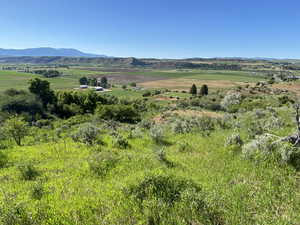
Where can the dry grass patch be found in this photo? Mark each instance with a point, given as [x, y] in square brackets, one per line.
[185, 84]
[197, 113]
[189, 113]
[293, 87]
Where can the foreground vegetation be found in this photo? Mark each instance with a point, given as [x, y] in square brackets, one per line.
[211, 156]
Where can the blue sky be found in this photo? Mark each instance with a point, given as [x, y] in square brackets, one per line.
[155, 28]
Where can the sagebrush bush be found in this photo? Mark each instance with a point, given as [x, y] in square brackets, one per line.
[157, 133]
[161, 155]
[234, 139]
[273, 122]
[87, 134]
[146, 123]
[206, 125]
[255, 128]
[231, 101]
[101, 163]
[136, 133]
[203, 124]
[269, 148]
[181, 126]
[259, 148]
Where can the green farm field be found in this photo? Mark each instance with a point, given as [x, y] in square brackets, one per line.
[149, 79]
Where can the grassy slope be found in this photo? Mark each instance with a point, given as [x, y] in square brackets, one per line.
[244, 192]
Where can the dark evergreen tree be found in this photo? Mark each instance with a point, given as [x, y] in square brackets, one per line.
[83, 81]
[193, 90]
[203, 90]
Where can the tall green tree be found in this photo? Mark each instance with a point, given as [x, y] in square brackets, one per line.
[104, 82]
[83, 81]
[16, 128]
[193, 90]
[203, 90]
[41, 88]
[93, 81]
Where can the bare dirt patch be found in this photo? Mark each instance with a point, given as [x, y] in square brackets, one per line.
[293, 87]
[165, 98]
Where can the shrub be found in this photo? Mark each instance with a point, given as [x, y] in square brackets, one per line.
[120, 113]
[87, 134]
[147, 94]
[268, 148]
[136, 133]
[37, 191]
[273, 122]
[166, 199]
[181, 126]
[260, 147]
[234, 139]
[29, 172]
[162, 157]
[157, 134]
[146, 123]
[225, 122]
[3, 137]
[102, 162]
[231, 101]
[3, 160]
[165, 187]
[255, 128]
[206, 125]
[121, 142]
[132, 84]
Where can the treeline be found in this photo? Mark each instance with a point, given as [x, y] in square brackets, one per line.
[48, 73]
[291, 67]
[189, 65]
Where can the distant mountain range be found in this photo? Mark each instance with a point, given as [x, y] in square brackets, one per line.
[37, 52]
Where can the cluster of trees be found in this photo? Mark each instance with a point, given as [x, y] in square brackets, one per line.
[206, 66]
[92, 81]
[203, 90]
[48, 73]
[41, 102]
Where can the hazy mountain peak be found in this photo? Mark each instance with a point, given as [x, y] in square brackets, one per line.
[46, 51]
